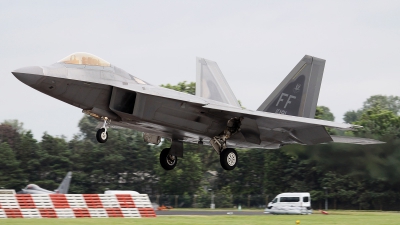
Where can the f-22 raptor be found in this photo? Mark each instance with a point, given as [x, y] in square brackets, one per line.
[213, 116]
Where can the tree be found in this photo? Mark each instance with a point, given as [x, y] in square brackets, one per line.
[224, 198]
[352, 116]
[9, 134]
[27, 152]
[324, 113]
[124, 162]
[339, 187]
[379, 122]
[87, 127]
[248, 177]
[391, 103]
[358, 177]
[189, 88]
[18, 126]
[10, 173]
[186, 177]
[54, 158]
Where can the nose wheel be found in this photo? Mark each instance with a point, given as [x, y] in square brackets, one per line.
[167, 161]
[228, 158]
[102, 135]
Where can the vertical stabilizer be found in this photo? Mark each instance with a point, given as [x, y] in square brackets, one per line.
[297, 94]
[211, 84]
[64, 186]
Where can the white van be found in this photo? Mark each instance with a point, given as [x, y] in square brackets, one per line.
[290, 203]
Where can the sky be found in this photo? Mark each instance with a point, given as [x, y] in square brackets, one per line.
[255, 43]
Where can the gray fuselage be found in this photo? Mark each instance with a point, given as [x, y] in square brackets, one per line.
[132, 103]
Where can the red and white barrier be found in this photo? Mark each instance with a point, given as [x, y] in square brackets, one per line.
[75, 206]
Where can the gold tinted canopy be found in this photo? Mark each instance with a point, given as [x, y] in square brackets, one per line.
[83, 58]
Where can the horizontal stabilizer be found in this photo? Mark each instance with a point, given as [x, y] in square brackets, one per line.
[355, 140]
[211, 83]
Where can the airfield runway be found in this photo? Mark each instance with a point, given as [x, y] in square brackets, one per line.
[175, 212]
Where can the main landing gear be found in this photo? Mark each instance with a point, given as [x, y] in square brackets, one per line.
[227, 156]
[102, 134]
[232, 127]
[167, 161]
[228, 159]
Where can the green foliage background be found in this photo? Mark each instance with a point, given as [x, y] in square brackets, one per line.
[356, 177]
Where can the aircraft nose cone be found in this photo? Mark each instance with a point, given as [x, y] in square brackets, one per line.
[28, 75]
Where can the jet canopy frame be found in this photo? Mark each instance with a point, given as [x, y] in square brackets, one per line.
[84, 58]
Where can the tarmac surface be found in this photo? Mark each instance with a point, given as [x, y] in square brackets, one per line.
[177, 212]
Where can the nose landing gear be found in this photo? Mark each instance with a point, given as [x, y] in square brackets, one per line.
[102, 134]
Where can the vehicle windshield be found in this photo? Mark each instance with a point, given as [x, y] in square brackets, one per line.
[275, 200]
[83, 58]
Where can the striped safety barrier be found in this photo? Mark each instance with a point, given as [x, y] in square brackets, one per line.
[75, 206]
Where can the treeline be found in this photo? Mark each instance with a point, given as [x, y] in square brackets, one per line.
[354, 176]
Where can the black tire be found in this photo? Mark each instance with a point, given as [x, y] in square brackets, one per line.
[167, 161]
[228, 159]
[102, 135]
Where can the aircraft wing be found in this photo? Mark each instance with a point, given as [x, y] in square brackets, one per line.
[300, 129]
[274, 120]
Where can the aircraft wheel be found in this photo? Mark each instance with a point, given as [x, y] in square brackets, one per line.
[228, 159]
[167, 161]
[102, 135]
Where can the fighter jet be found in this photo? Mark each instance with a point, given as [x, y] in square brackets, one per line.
[213, 116]
[62, 189]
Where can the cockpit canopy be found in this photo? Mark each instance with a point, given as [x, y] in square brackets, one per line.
[89, 62]
[83, 58]
[32, 187]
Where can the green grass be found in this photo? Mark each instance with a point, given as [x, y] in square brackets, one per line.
[335, 217]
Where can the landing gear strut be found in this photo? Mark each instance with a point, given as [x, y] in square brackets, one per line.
[228, 156]
[167, 161]
[232, 127]
[102, 134]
